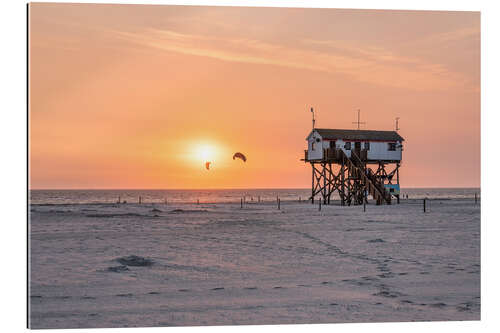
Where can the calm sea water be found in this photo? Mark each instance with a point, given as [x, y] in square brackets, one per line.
[214, 196]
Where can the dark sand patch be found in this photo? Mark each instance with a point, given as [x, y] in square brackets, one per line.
[181, 211]
[134, 260]
[376, 240]
[118, 269]
[114, 215]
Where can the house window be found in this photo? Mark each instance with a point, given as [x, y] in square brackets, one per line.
[392, 146]
[347, 146]
[367, 145]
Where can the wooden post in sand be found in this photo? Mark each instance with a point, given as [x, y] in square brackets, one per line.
[119, 199]
[424, 205]
[241, 203]
[259, 198]
[319, 207]
[140, 199]
[366, 200]
[475, 198]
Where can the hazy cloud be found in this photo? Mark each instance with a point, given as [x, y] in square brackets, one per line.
[363, 63]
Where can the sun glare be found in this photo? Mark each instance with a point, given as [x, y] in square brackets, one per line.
[206, 152]
[203, 151]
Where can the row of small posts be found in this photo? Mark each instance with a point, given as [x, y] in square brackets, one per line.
[278, 202]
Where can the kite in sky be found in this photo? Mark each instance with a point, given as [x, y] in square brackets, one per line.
[240, 156]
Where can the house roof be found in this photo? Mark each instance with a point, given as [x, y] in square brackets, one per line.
[362, 135]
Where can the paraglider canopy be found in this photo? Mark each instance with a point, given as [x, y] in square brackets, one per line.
[207, 165]
[240, 156]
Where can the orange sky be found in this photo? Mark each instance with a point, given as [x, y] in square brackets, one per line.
[127, 96]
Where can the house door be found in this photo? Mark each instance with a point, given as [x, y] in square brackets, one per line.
[357, 148]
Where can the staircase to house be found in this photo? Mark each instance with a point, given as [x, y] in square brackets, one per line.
[372, 184]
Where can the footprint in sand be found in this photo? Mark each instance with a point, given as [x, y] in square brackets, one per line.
[219, 288]
[184, 290]
[386, 275]
[467, 306]
[369, 278]
[439, 305]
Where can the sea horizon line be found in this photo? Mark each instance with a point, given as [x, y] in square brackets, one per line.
[225, 189]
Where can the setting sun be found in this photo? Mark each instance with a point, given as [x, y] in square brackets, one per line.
[205, 152]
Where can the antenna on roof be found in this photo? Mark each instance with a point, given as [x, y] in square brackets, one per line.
[358, 122]
[314, 120]
[397, 124]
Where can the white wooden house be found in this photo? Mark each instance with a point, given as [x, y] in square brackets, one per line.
[369, 145]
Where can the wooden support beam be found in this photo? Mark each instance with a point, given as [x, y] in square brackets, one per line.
[354, 180]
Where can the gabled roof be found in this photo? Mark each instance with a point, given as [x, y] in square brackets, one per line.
[361, 135]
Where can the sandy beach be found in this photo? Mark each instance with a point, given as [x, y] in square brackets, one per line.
[115, 265]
